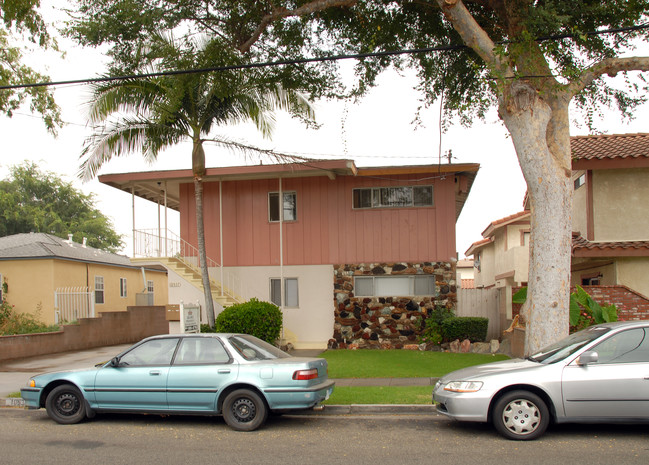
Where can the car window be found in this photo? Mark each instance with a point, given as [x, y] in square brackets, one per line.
[252, 348]
[201, 350]
[153, 352]
[568, 346]
[629, 346]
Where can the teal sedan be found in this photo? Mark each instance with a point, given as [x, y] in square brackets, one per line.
[237, 376]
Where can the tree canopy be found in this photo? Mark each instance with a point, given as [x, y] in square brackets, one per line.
[33, 201]
[21, 24]
[529, 59]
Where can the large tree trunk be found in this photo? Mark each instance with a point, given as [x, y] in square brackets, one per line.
[198, 168]
[542, 144]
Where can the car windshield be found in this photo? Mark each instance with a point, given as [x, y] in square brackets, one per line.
[568, 346]
[252, 348]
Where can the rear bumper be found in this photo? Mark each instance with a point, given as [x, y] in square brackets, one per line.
[299, 397]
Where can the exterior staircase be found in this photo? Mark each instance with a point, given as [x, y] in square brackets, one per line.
[181, 257]
[193, 276]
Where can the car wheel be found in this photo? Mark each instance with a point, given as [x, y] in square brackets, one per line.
[244, 410]
[65, 405]
[521, 415]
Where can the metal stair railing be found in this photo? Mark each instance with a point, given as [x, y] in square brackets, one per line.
[152, 243]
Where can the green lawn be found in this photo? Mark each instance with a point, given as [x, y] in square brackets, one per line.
[400, 363]
[394, 364]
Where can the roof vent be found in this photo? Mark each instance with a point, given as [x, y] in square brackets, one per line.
[69, 237]
[84, 241]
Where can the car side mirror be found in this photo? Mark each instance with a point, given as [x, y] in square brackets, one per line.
[114, 362]
[588, 357]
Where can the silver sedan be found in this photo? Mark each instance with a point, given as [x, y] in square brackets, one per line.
[600, 374]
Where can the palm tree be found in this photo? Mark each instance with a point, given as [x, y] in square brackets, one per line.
[147, 115]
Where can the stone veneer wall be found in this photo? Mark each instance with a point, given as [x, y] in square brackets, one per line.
[386, 322]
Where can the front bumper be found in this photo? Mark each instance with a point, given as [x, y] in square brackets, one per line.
[463, 406]
[31, 396]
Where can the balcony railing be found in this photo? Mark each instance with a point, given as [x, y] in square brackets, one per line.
[152, 243]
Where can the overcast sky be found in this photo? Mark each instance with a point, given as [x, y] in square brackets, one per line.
[375, 131]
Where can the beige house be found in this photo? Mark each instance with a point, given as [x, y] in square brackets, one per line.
[59, 280]
[610, 211]
[610, 223]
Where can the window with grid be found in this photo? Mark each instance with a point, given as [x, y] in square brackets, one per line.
[386, 197]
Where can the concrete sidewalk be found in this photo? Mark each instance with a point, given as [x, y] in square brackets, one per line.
[14, 374]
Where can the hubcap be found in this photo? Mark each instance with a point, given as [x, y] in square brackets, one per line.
[67, 404]
[521, 416]
[244, 410]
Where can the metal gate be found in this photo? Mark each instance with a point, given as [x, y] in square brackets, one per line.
[72, 303]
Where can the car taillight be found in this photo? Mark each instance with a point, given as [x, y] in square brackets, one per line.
[302, 375]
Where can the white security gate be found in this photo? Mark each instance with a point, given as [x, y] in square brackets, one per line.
[72, 303]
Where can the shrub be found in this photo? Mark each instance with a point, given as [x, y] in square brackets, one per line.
[471, 328]
[12, 322]
[432, 329]
[260, 319]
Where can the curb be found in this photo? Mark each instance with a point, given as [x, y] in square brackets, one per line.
[353, 409]
[12, 402]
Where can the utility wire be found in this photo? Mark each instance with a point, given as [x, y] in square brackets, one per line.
[444, 48]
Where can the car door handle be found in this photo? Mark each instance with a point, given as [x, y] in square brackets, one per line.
[154, 373]
[224, 371]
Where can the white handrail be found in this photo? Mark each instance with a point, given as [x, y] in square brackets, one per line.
[152, 243]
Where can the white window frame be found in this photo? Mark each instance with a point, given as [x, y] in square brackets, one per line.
[288, 214]
[394, 285]
[291, 292]
[150, 287]
[364, 198]
[123, 292]
[100, 290]
[580, 181]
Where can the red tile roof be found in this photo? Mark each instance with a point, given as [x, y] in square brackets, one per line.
[610, 146]
[505, 221]
[584, 247]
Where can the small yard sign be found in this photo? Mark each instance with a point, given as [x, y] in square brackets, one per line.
[190, 318]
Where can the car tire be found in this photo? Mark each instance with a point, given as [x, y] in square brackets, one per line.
[244, 410]
[65, 405]
[520, 415]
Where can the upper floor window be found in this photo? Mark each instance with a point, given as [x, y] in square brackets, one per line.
[149, 287]
[288, 208]
[385, 197]
[580, 181]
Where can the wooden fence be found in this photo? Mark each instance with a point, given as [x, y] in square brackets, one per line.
[482, 303]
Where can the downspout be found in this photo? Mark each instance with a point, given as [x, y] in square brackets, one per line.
[133, 215]
[281, 252]
[221, 230]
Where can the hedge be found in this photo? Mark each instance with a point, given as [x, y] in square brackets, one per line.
[471, 328]
[257, 318]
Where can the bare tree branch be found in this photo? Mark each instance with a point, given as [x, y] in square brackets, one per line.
[609, 66]
[280, 13]
[473, 35]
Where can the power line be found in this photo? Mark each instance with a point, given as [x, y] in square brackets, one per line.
[267, 64]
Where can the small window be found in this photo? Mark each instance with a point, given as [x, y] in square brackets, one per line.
[99, 289]
[149, 287]
[391, 197]
[291, 292]
[580, 181]
[394, 286]
[122, 287]
[289, 206]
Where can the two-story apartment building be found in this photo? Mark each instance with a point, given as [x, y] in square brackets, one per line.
[610, 222]
[351, 255]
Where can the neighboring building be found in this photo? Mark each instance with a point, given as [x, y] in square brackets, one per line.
[610, 223]
[352, 255]
[465, 273]
[60, 280]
